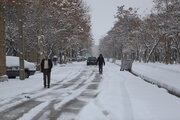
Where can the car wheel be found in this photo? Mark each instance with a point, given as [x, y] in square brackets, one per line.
[26, 74]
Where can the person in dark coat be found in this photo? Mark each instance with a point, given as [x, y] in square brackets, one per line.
[100, 62]
[46, 66]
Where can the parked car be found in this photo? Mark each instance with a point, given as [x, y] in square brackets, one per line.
[81, 58]
[12, 67]
[91, 61]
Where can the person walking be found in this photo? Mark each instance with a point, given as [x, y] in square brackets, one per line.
[46, 66]
[100, 62]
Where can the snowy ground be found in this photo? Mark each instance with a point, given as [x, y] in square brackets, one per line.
[165, 76]
[78, 92]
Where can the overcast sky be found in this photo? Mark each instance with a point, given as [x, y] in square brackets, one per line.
[103, 11]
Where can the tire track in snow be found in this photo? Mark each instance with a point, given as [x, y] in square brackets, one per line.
[52, 113]
[15, 106]
[34, 94]
[17, 111]
[72, 108]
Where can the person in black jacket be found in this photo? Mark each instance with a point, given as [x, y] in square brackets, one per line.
[46, 66]
[100, 62]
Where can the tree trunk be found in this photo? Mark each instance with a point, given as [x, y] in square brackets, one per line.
[152, 50]
[21, 44]
[65, 56]
[137, 53]
[2, 39]
[178, 48]
[168, 52]
[60, 58]
[178, 54]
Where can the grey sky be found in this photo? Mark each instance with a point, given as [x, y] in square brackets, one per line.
[103, 11]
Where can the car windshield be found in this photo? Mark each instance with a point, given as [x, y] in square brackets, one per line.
[92, 58]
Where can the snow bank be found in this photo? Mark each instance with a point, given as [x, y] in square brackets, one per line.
[165, 76]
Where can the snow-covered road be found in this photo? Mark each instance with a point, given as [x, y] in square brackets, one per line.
[78, 92]
[127, 97]
[62, 101]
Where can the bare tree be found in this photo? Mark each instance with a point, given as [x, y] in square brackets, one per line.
[153, 38]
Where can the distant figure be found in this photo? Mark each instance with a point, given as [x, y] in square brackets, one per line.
[55, 60]
[46, 66]
[100, 62]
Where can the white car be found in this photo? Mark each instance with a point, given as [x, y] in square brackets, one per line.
[12, 67]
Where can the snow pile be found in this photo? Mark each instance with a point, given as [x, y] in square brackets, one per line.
[166, 76]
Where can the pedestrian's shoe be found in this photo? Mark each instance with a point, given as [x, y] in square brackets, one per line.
[44, 86]
[48, 86]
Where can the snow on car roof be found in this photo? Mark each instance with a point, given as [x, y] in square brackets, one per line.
[14, 61]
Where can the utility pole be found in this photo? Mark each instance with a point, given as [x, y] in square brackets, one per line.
[3, 76]
[21, 38]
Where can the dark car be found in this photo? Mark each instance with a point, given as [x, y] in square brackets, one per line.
[12, 67]
[91, 61]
